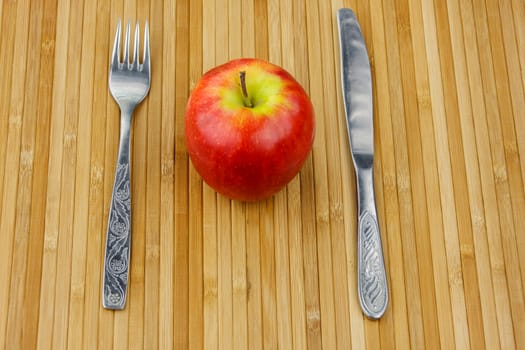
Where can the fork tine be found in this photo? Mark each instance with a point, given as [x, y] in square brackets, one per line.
[115, 60]
[136, 48]
[146, 60]
[126, 44]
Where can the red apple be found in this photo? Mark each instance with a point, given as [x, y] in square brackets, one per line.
[249, 128]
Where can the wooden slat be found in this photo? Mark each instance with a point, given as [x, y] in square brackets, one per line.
[258, 47]
[181, 177]
[499, 278]
[195, 282]
[281, 52]
[412, 284]
[24, 187]
[335, 209]
[209, 198]
[40, 165]
[153, 157]
[239, 278]
[326, 312]
[445, 180]
[459, 182]
[13, 243]
[96, 226]
[241, 284]
[223, 212]
[7, 44]
[49, 255]
[474, 189]
[295, 223]
[508, 92]
[80, 217]
[434, 207]
[210, 272]
[166, 249]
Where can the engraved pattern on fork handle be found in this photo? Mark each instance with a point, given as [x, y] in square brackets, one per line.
[371, 275]
[118, 238]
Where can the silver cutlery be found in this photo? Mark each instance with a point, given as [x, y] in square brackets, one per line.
[357, 93]
[129, 83]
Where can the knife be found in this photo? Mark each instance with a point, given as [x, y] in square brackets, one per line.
[372, 285]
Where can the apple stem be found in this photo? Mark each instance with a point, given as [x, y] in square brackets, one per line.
[245, 97]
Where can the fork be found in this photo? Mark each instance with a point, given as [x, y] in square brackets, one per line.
[129, 83]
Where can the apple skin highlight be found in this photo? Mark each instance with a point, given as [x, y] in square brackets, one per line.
[244, 152]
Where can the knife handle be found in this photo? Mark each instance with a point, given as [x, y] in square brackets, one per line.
[371, 275]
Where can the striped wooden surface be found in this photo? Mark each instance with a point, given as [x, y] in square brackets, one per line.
[449, 82]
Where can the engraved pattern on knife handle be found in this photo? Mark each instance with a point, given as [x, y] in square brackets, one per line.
[372, 284]
[118, 241]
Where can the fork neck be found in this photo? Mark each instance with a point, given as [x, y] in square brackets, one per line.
[126, 113]
[125, 129]
[125, 120]
[126, 109]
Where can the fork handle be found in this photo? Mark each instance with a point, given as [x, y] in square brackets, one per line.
[118, 236]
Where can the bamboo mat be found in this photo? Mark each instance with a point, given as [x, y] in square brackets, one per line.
[207, 272]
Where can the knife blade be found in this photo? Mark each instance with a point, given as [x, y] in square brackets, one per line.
[356, 77]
